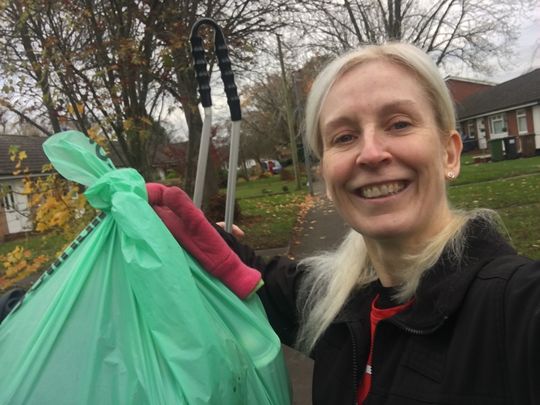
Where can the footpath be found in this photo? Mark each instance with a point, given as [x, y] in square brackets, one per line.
[320, 229]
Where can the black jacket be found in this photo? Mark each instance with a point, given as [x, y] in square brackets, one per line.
[472, 335]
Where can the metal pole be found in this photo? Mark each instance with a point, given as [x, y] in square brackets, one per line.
[203, 157]
[290, 123]
[231, 179]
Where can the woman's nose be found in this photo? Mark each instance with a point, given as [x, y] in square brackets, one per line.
[373, 150]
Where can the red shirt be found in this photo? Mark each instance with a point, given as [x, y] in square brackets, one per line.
[376, 315]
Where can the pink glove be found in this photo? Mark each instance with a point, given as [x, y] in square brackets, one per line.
[192, 230]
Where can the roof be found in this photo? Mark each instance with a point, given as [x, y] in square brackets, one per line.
[467, 80]
[32, 145]
[167, 155]
[522, 90]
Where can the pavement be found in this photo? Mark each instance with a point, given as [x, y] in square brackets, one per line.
[321, 229]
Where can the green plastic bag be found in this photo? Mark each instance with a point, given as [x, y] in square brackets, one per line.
[126, 316]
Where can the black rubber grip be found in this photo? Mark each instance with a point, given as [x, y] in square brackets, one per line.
[201, 72]
[224, 63]
[227, 75]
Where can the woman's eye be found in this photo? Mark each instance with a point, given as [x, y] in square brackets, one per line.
[345, 138]
[400, 125]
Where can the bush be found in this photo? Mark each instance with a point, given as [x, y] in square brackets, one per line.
[215, 209]
[287, 174]
[222, 177]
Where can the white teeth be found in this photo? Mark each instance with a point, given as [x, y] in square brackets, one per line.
[382, 190]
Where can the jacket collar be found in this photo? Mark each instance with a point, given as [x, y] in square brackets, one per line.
[443, 287]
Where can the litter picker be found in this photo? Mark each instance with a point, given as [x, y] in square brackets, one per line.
[203, 80]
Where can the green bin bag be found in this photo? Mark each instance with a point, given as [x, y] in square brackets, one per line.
[126, 316]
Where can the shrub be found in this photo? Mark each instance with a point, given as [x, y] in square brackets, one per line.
[215, 209]
[287, 175]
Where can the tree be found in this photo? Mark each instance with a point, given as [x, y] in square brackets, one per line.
[93, 64]
[467, 32]
[117, 64]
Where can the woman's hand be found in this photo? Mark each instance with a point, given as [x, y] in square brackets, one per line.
[236, 231]
[193, 232]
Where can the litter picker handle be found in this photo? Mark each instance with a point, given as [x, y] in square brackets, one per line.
[203, 79]
[227, 76]
[201, 72]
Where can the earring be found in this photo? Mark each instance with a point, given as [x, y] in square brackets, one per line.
[451, 175]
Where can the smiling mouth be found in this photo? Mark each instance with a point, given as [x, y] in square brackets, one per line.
[381, 190]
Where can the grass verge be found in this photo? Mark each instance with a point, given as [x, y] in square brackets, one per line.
[516, 199]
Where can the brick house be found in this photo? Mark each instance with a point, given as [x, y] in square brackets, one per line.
[13, 204]
[461, 88]
[509, 109]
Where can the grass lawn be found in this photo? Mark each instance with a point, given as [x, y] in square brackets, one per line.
[516, 199]
[48, 244]
[269, 209]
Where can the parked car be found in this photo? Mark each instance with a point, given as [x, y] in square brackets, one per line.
[271, 165]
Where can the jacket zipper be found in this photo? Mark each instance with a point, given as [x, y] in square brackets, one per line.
[416, 331]
[355, 364]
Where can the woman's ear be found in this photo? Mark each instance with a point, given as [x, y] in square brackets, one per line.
[453, 148]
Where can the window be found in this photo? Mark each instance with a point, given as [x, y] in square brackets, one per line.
[521, 116]
[7, 201]
[498, 124]
[472, 130]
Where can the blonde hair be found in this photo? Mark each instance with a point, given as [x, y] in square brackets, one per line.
[332, 276]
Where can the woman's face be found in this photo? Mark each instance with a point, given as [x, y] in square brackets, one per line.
[384, 160]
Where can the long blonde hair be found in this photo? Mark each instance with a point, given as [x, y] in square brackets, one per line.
[332, 276]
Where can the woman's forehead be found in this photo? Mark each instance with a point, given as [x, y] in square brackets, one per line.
[379, 83]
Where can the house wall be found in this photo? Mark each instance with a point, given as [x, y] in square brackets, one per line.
[530, 124]
[536, 124]
[14, 218]
[512, 123]
[462, 89]
[3, 225]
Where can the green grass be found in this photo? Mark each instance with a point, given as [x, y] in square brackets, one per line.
[48, 244]
[268, 221]
[264, 187]
[516, 199]
[479, 172]
[269, 208]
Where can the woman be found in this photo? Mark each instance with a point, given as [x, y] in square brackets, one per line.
[458, 310]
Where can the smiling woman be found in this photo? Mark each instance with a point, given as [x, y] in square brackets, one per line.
[384, 158]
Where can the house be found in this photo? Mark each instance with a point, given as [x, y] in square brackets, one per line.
[461, 88]
[13, 204]
[509, 109]
[14, 215]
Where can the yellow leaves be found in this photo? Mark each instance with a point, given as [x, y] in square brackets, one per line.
[18, 265]
[128, 124]
[22, 155]
[77, 107]
[27, 187]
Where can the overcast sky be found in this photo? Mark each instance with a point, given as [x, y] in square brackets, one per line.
[527, 59]
[527, 52]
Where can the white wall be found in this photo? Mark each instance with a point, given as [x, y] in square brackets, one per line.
[16, 221]
[536, 123]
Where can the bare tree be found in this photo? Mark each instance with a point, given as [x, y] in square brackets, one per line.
[467, 32]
